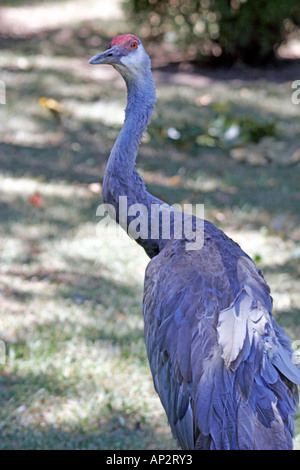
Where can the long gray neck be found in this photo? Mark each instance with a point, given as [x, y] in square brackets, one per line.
[121, 177]
[140, 103]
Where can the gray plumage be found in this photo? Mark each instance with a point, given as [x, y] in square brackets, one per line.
[221, 365]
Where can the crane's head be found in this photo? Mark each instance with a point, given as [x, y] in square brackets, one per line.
[127, 54]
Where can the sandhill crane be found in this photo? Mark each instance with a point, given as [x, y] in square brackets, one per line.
[221, 365]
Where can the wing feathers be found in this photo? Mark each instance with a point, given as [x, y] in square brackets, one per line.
[282, 360]
[233, 327]
[248, 322]
[224, 374]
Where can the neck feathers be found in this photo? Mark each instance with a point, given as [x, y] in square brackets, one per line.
[121, 176]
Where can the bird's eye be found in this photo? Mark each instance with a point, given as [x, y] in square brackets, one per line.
[134, 45]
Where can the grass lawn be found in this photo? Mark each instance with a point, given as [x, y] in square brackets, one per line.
[76, 374]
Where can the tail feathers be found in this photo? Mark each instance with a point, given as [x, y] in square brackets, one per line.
[273, 426]
[258, 355]
[216, 407]
[283, 362]
[258, 416]
[184, 430]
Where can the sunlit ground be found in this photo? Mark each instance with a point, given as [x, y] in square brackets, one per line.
[76, 372]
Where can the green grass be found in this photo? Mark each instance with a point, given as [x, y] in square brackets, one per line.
[76, 373]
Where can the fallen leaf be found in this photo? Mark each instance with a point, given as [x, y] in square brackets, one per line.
[51, 104]
[174, 180]
[37, 200]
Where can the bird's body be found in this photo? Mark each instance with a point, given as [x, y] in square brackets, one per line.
[221, 365]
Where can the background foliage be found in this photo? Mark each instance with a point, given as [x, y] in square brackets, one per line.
[246, 30]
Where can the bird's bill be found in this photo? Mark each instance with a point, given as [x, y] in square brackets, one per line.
[111, 56]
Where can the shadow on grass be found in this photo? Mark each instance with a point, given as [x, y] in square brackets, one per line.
[106, 310]
[50, 162]
[23, 398]
[110, 435]
[73, 41]
[282, 71]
